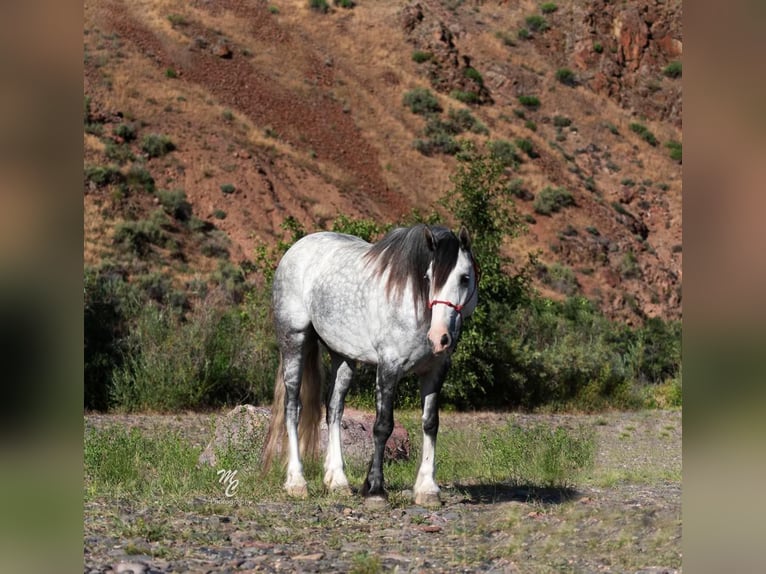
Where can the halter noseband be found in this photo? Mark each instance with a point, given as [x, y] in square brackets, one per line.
[459, 307]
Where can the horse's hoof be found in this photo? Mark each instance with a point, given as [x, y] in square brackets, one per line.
[297, 491]
[428, 499]
[375, 502]
[342, 490]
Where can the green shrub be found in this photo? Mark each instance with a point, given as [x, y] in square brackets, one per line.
[171, 73]
[125, 131]
[527, 147]
[598, 47]
[548, 7]
[119, 152]
[531, 102]
[552, 199]
[155, 145]
[420, 56]
[566, 77]
[346, 4]
[103, 175]
[139, 236]
[320, 6]
[629, 268]
[175, 204]
[645, 134]
[673, 69]
[561, 121]
[504, 152]
[473, 74]
[219, 355]
[466, 121]
[422, 101]
[465, 97]
[228, 188]
[523, 34]
[536, 23]
[676, 150]
[560, 278]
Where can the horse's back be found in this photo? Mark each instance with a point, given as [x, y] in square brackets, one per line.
[313, 265]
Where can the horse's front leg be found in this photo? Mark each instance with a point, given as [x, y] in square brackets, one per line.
[385, 386]
[342, 373]
[426, 490]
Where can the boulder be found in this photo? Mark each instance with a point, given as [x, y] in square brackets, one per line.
[245, 426]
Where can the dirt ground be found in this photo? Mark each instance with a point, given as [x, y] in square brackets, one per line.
[624, 517]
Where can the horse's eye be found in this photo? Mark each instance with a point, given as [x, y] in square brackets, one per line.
[465, 279]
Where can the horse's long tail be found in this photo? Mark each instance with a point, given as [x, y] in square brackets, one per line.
[275, 445]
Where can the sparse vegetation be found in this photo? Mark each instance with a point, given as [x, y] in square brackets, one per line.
[552, 199]
[644, 132]
[676, 150]
[530, 102]
[566, 77]
[673, 70]
[422, 101]
[156, 145]
[536, 23]
[548, 7]
[228, 188]
[527, 147]
[421, 56]
[465, 97]
[320, 6]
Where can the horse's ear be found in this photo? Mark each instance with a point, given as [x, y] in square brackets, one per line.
[430, 240]
[465, 239]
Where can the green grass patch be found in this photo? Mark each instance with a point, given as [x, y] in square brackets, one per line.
[644, 132]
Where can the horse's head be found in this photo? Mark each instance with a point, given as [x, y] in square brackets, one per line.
[453, 288]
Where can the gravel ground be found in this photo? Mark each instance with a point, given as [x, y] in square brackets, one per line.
[625, 517]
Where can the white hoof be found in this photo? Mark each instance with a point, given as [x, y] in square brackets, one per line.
[336, 482]
[428, 499]
[297, 488]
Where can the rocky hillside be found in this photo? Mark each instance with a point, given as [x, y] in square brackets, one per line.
[208, 124]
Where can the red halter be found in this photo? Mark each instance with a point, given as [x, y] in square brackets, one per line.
[459, 307]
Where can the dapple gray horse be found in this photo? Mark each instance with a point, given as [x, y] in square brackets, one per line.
[398, 304]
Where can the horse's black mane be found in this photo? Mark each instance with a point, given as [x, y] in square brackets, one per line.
[405, 253]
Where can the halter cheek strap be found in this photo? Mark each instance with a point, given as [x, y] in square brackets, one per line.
[458, 307]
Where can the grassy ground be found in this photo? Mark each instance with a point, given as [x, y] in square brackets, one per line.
[545, 493]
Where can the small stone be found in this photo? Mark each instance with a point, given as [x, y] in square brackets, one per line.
[312, 557]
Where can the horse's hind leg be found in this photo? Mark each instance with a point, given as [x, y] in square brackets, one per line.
[294, 351]
[342, 373]
[426, 490]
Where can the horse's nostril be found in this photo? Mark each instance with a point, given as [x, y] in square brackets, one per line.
[445, 340]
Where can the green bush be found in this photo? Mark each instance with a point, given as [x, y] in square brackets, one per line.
[346, 4]
[536, 23]
[552, 199]
[676, 150]
[421, 56]
[531, 102]
[504, 152]
[422, 101]
[175, 204]
[644, 132]
[465, 97]
[103, 175]
[673, 69]
[320, 6]
[566, 77]
[561, 121]
[523, 34]
[139, 236]
[219, 355]
[228, 188]
[548, 7]
[125, 131]
[466, 121]
[527, 147]
[473, 74]
[155, 145]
